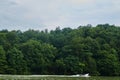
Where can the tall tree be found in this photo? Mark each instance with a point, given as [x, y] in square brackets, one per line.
[3, 62]
[16, 62]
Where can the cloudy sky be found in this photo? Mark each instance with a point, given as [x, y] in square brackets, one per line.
[42, 14]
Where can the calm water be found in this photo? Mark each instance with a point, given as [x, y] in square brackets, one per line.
[29, 77]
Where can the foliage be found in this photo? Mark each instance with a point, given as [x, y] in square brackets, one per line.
[87, 49]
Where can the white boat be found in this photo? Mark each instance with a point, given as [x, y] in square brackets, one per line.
[85, 75]
[81, 75]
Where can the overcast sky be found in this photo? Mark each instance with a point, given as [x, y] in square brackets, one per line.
[42, 14]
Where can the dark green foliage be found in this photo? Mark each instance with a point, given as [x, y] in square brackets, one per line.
[87, 49]
[15, 62]
[3, 62]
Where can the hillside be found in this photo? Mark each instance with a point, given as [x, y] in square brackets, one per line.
[87, 49]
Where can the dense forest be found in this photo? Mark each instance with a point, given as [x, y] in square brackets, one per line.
[86, 49]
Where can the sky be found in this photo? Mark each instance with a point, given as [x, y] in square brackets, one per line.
[49, 14]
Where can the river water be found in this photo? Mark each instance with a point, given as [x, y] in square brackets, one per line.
[56, 77]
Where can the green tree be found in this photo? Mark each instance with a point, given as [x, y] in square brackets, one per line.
[108, 63]
[16, 62]
[3, 62]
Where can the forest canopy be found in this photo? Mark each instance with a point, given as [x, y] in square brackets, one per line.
[86, 49]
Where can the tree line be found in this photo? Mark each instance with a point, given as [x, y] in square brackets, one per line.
[86, 49]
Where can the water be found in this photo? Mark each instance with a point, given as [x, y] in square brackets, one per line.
[42, 77]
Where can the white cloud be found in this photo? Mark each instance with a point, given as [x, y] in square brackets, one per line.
[64, 13]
